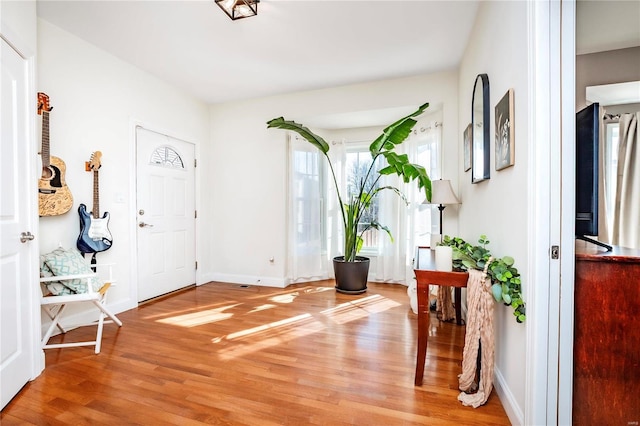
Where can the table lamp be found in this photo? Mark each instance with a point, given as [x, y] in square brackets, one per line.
[442, 194]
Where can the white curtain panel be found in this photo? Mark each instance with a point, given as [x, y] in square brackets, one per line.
[410, 225]
[306, 259]
[604, 183]
[335, 227]
[313, 243]
[626, 220]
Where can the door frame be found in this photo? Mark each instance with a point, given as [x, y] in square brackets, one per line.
[549, 366]
[133, 199]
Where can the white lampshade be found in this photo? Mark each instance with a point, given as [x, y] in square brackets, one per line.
[442, 193]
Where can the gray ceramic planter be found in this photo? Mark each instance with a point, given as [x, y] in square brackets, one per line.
[351, 277]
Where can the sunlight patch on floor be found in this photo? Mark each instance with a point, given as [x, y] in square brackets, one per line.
[318, 289]
[270, 326]
[266, 336]
[285, 298]
[351, 311]
[195, 319]
[262, 308]
[190, 310]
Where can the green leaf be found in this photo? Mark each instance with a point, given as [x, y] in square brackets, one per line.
[469, 264]
[395, 133]
[508, 260]
[379, 227]
[496, 290]
[308, 135]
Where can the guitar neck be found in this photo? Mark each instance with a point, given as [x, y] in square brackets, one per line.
[46, 157]
[96, 197]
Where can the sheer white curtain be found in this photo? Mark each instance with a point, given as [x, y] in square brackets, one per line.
[412, 224]
[626, 216]
[306, 250]
[335, 227]
[619, 184]
[315, 234]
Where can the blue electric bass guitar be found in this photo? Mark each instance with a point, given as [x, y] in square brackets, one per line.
[94, 230]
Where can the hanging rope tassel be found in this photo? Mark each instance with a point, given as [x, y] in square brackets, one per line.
[479, 334]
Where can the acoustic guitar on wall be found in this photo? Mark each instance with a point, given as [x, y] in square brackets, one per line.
[94, 230]
[54, 196]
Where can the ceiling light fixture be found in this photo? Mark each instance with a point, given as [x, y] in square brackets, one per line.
[238, 9]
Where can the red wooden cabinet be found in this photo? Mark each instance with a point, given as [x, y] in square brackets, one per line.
[606, 352]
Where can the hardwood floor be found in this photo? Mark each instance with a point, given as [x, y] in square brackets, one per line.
[224, 354]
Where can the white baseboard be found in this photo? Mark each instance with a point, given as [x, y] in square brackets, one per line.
[513, 410]
[249, 280]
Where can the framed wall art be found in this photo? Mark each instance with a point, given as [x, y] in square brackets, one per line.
[505, 132]
[466, 147]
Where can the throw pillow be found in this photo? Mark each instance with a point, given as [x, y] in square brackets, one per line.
[54, 287]
[70, 262]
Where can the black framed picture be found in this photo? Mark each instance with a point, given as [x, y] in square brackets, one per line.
[505, 132]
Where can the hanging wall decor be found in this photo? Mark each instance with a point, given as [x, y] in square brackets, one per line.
[480, 164]
[467, 147]
[505, 132]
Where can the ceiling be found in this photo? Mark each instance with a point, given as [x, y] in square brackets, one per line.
[290, 46]
[295, 45]
[607, 25]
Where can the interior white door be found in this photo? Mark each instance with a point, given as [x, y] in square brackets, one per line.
[16, 297]
[165, 214]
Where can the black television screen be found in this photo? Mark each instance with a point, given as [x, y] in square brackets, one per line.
[587, 135]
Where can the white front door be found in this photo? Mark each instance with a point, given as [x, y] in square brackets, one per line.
[17, 284]
[165, 214]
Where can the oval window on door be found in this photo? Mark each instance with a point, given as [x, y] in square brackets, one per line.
[167, 157]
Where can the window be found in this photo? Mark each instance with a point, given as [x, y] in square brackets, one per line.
[315, 228]
[358, 160]
[306, 241]
[307, 200]
[612, 130]
[166, 156]
[425, 217]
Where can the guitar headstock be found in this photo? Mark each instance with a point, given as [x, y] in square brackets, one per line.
[94, 162]
[43, 103]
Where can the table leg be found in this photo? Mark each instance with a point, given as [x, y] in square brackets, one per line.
[457, 300]
[423, 334]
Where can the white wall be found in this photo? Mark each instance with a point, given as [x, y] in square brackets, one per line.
[248, 211]
[97, 99]
[498, 207]
[609, 67]
[18, 25]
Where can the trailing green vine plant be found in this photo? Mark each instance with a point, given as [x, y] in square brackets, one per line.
[505, 278]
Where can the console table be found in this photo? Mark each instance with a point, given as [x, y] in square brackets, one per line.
[424, 268]
[606, 354]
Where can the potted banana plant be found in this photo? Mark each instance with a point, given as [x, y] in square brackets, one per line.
[351, 271]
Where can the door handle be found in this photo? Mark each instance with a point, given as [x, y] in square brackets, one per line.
[142, 225]
[26, 236]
